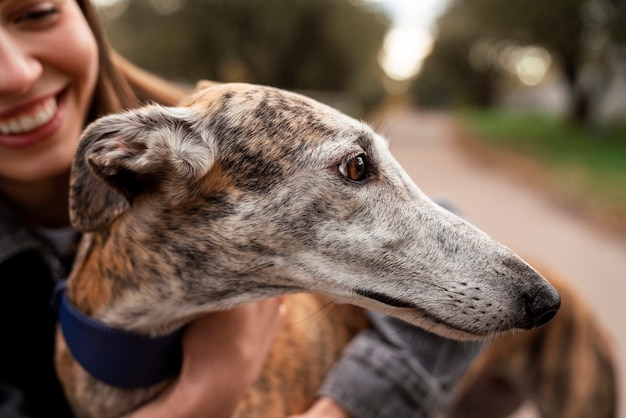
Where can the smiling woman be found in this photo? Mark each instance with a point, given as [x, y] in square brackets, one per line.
[49, 66]
[57, 74]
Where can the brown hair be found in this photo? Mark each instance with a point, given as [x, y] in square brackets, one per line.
[120, 84]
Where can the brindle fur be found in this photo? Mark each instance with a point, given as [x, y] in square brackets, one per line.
[241, 194]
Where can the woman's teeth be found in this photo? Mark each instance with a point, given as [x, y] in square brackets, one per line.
[30, 120]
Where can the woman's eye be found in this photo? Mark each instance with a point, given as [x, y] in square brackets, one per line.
[355, 168]
[37, 15]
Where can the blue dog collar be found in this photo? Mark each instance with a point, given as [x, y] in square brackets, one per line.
[116, 357]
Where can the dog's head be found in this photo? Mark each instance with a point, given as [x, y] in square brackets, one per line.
[267, 192]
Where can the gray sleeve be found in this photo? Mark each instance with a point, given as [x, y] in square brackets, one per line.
[397, 370]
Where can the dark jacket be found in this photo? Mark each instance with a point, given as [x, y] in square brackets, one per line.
[29, 268]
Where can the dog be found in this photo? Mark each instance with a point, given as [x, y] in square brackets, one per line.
[245, 192]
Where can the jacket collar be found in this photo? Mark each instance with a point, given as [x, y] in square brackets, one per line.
[14, 236]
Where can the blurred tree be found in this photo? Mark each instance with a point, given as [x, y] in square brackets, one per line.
[448, 76]
[616, 21]
[556, 25]
[577, 33]
[327, 45]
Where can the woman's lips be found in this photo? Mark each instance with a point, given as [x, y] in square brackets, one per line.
[30, 120]
[33, 125]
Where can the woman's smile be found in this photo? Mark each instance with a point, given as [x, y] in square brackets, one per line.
[32, 124]
[35, 117]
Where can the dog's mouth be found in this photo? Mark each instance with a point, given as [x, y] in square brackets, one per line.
[453, 330]
[386, 299]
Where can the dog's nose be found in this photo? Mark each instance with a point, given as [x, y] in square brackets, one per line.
[540, 305]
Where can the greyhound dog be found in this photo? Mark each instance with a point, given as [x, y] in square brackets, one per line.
[245, 192]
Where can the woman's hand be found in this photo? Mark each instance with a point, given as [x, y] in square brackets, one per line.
[324, 407]
[223, 353]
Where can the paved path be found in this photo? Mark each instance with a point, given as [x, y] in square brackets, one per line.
[517, 215]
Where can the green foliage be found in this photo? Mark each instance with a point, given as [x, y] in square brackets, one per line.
[591, 165]
[328, 45]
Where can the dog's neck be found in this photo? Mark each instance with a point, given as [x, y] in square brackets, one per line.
[112, 287]
[106, 285]
[84, 287]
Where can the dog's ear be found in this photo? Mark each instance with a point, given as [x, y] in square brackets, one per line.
[121, 156]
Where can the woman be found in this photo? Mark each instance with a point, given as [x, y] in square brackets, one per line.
[57, 74]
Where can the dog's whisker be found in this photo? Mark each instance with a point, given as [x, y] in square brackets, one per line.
[255, 269]
[325, 309]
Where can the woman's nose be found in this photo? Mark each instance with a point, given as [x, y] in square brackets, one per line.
[19, 69]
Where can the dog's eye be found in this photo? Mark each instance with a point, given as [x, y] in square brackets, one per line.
[355, 168]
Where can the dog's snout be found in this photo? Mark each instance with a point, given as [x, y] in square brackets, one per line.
[540, 306]
[537, 300]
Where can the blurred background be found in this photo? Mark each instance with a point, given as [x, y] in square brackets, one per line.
[559, 65]
[514, 110]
